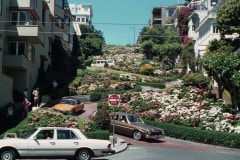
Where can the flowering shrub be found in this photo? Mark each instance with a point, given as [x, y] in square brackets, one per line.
[184, 106]
[146, 69]
[47, 118]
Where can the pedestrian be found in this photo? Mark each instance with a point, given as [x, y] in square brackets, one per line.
[35, 96]
[26, 104]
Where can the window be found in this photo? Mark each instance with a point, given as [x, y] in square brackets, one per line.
[59, 3]
[59, 22]
[67, 20]
[83, 19]
[18, 17]
[66, 134]
[31, 53]
[17, 48]
[35, 3]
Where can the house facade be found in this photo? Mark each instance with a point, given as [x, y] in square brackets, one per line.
[202, 23]
[27, 29]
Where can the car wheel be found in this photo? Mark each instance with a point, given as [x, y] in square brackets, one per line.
[83, 154]
[8, 154]
[137, 135]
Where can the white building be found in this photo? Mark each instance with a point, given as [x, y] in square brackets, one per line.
[202, 23]
[82, 15]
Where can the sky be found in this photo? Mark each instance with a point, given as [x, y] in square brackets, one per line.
[121, 21]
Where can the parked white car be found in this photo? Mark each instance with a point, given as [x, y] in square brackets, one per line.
[53, 142]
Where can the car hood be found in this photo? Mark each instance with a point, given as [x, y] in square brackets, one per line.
[65, 107]
[145, 126]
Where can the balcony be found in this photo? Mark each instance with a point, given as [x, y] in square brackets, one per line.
[16, 62]
[30, 33]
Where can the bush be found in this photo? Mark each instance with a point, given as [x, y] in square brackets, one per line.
[231, 140]
[196, 79]
[146, 69]
[100, 134]
[102, 119]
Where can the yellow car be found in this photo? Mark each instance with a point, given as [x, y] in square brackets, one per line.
[69, 105]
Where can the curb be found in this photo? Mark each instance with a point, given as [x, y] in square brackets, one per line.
[120, 145]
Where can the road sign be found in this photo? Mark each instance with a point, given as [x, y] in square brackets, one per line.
[113, 99]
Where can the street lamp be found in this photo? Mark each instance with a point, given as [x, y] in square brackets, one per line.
[133, 34]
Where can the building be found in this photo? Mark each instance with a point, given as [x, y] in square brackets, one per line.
[202, 23]
[82, 15]
[162, 16]
[27, 29]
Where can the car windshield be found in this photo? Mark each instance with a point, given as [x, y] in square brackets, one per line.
[28, 134]
[68, 101]
[134, 119]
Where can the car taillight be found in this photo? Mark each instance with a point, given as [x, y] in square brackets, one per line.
[109, 146]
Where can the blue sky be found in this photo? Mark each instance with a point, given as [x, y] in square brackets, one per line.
[118, 19]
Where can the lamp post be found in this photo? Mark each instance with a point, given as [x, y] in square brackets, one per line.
[133, 34]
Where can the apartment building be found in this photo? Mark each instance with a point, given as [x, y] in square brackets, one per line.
[27, 29]
[82, 15]
[162, 16]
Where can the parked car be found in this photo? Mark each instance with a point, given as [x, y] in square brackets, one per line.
[53, 142]
[69, 105]
[133, 125]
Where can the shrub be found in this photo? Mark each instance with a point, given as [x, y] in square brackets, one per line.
[196, 79]
[102, 119]
[231, 140]
[146, 69]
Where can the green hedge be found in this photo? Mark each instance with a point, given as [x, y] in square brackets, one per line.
[225, 139]
[101, 134]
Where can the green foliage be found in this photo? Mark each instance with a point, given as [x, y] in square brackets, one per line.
[102, 119]
[196, 79]
[95, 96]
[231, 140]
[146, 69]
[99, 134]
[228, 17]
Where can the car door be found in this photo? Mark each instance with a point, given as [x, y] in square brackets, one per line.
[41, 145]
[124, 126]
[67, 142]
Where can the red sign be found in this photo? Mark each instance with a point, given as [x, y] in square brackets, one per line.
[113, 99]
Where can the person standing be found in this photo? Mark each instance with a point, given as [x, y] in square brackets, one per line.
[35, 96]
[26, 104]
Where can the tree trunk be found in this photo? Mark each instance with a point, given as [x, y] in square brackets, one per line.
[234, 99]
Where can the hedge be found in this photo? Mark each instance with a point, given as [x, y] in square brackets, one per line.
[225, 139]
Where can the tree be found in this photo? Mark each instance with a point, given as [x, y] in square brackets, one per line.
[76, 55]
[228, 20]
[91, 46]
[224, 69]
[229, 14]
[155, 34]
[168, 53]
[188, 55]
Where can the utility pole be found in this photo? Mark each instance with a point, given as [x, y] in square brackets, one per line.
[133, 34]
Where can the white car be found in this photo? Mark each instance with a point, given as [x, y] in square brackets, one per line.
[53, 142]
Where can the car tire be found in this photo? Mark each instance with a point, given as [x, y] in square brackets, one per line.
[84, 154]
[137, 135]
[8, 154]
